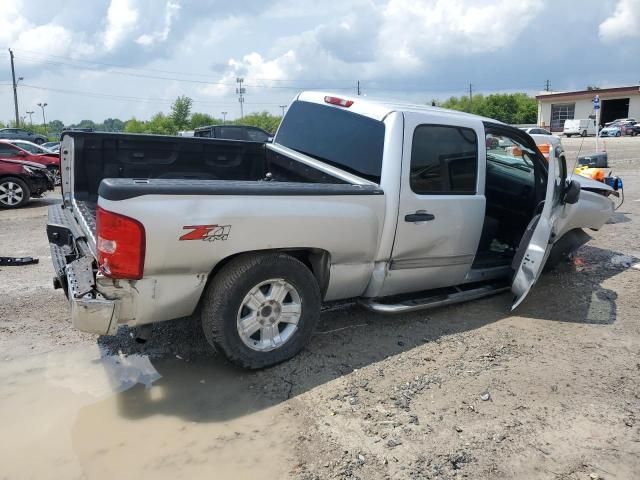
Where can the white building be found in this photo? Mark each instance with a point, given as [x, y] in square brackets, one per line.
[556, 107]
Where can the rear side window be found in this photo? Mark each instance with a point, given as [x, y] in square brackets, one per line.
[231, 133]
[257, 135]
[444, 160]
[349, 141]
[7, 150]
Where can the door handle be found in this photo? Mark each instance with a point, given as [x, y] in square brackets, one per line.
[419, 216]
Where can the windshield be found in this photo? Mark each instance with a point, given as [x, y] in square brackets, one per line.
[349, 141]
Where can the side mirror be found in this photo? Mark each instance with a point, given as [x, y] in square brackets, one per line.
[572, 192]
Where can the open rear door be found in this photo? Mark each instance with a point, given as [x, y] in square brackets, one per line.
[538, 239]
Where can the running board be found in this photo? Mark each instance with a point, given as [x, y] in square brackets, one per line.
[457, 295]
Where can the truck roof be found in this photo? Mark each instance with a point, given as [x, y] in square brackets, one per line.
[379, 108]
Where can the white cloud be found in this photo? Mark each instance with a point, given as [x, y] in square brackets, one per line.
[122, 18]
[171, 11]
[625, 22]
[417, 31]
[404, 36]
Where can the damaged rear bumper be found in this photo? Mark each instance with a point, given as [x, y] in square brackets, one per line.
[75, 272]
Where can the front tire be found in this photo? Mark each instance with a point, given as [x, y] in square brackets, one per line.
[618, 134]
[261, 309]
[14, 192]
[567, 135]
[584, 133]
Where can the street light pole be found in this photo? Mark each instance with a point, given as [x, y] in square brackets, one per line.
[283, 107]
[15, 89]
[44, 119]
[30, 119]
[224, 117]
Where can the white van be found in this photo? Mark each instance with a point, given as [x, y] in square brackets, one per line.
[582, 127]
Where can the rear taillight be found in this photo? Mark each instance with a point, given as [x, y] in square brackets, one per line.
[120, 242]
[341, 102]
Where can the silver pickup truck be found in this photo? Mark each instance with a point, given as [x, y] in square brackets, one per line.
[401, 207]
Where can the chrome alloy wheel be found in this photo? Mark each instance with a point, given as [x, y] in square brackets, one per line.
[11, 193]
[269, 315]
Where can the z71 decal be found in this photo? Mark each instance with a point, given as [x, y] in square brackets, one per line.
[208, 233]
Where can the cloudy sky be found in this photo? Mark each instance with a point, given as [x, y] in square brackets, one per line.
[123, 58]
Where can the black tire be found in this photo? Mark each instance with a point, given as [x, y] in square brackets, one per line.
[567, 135]
[5, 183]
[618, 134]
[224, 297]
[38, 141]
[584, 133]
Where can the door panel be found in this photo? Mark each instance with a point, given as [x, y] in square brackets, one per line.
[538, 239]
[442, 204]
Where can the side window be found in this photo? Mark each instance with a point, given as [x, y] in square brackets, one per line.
[231, 133]
[444, 160]
[257, 135]
[7, 150]
[507, 158]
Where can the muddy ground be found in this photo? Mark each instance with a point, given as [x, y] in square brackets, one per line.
[471, 391]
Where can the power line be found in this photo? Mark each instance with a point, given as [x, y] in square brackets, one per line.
[177, 79]
[132, 98]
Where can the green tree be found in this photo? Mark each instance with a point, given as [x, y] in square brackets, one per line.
[202, 120]
[514, 108]
[180, 112]
[263, 120]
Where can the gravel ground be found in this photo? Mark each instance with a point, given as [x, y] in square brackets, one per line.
[474, 391]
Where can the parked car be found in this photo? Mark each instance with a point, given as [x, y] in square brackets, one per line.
[536, 131]
[620, 120]
[234, 132]
[33, 147]
[629, 128]
[613, 130]
[21, 134]
[582, 127]
[14, 152]
[22, 180]
[53, 146]
[401, 207]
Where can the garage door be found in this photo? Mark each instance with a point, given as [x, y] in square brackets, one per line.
[561, 112]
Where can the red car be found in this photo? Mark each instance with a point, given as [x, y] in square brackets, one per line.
[20, 180]
[13, 152]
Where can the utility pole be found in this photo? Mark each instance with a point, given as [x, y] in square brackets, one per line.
[547, 86]
[15, 88]
[224, 117]
[470, 95]
[30, 119]
[358, 88]
[44, 119]
[241, 91]
[283, 107]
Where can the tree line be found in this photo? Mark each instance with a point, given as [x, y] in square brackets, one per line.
[179, 118]
[511, 108]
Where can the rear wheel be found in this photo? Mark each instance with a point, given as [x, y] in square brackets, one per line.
[568, 135]
[261, 309]
[584, 133]
[14, 192]
[618, 134]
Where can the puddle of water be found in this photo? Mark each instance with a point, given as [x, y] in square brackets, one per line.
[83, 414]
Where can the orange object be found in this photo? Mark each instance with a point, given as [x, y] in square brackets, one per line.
[593, 173]
[544, 149]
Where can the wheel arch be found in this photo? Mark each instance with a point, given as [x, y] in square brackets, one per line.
[316, 259]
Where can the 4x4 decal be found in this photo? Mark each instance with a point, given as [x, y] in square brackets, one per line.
[208, 233]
